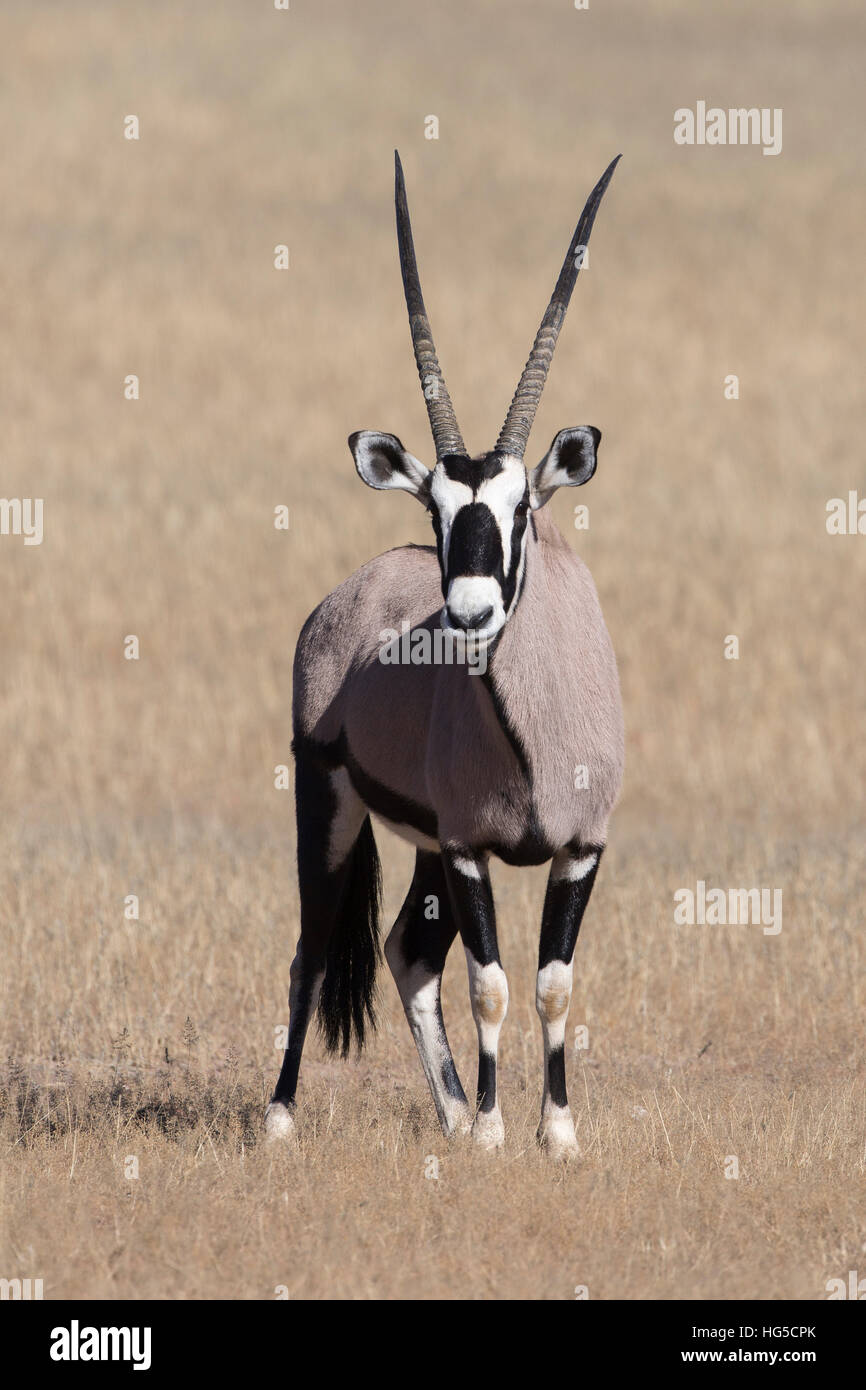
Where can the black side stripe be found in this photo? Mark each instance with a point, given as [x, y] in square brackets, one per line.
[376, 795]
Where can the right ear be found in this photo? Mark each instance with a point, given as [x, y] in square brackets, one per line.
[569, 462]
[382, 462]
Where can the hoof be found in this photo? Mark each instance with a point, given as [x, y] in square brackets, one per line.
[556, 1136]
[279, 1123]
[458, 1122]
[488, 1131]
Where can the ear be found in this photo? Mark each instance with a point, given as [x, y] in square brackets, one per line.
[382, 462]
[570, 461]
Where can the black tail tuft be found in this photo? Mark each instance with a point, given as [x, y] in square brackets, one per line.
[348, 989]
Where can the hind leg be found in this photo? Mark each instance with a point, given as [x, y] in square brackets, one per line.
[415, 951]
[330, 815]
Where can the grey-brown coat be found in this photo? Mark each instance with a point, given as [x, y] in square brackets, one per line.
[507, 740]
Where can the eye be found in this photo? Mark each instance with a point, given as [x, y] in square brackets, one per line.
[522, 508]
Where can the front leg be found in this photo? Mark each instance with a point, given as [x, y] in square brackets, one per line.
[472, 901]
[572, 875]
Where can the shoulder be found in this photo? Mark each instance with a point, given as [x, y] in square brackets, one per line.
[398, 582]
[345, 631]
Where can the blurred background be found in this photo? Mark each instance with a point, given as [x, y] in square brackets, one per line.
[155, 777]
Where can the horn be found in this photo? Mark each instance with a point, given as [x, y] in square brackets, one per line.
[514, 434]
[443, 421]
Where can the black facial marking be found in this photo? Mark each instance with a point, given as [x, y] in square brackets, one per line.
[472, 472]
[476, 543]
[521, 516]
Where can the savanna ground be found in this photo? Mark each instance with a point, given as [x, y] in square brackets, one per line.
[154, 1039]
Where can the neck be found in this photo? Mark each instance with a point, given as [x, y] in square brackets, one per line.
[517, 639]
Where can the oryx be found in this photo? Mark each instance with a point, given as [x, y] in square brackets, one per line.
[523, 762]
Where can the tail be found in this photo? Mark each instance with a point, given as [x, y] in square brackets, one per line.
[348, 989]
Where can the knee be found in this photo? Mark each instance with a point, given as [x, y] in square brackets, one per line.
[553, 991]
[489, 990]
[417, 984]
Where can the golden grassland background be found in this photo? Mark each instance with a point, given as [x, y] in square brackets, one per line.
[707, 517]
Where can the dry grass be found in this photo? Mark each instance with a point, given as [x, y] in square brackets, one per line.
[155, 777]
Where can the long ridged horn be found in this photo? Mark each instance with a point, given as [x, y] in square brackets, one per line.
[514, 434]
[443, 421]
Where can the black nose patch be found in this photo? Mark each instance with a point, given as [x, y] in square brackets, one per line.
[476, 545]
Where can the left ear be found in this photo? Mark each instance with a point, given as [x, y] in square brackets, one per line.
[382, 462]
[570, 461]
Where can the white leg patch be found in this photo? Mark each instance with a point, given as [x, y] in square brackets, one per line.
[469, 868]
[488, 990]
[567, 868]
[279, 1123]
[556, 1131]
[488, 1131]
[552, 998]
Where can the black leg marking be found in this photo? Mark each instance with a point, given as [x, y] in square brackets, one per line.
[572, 876]
[486, 1082]
[472, 900]
[565, 902]
[556, 1076]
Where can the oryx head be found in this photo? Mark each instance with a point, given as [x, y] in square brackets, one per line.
[480, 506]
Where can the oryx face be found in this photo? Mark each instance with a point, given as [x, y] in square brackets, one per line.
[481, 507]
[481, 513]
